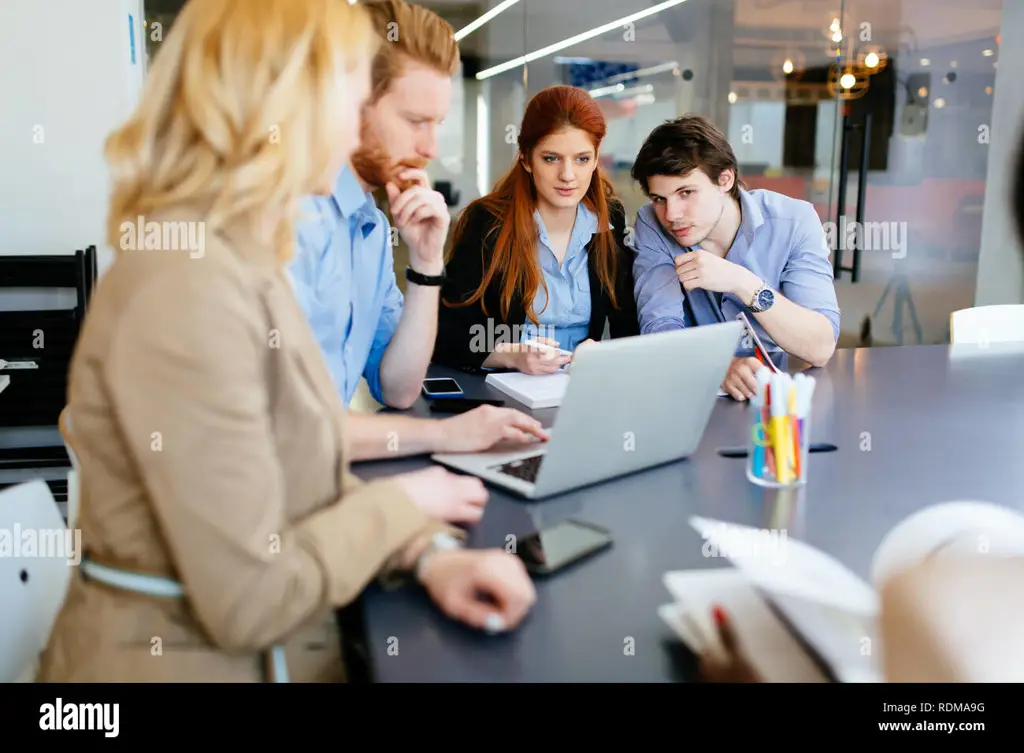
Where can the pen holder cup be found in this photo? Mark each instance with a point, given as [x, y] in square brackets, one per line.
[777, 449]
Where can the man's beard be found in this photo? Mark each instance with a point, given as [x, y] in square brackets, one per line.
[371, 160]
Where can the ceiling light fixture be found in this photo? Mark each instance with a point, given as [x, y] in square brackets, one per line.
[467, 30]
[584, 36]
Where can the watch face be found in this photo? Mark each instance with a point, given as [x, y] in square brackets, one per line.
[765, 299]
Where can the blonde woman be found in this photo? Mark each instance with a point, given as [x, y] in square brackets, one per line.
[220, 524]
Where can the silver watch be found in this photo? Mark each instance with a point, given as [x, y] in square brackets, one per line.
[439, 541]
[764, 299]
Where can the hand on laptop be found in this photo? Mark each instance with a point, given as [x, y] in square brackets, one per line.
[484, 427]
[446, 496]
[740, 381]
[529, 359]
[488, 589]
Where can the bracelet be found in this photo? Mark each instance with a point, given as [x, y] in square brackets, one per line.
[439, 542]
[421, 279]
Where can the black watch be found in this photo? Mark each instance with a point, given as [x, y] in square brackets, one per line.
[420, 279]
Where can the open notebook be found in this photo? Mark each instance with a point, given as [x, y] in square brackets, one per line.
[785, 596]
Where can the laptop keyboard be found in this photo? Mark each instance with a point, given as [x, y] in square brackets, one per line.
[525, 468]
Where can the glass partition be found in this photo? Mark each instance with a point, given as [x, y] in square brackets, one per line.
[812, 95]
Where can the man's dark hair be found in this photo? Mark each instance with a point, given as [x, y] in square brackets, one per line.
[678, 146]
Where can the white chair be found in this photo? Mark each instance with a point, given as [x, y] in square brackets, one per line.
[984, 325]
[64, 424]
[34, 576]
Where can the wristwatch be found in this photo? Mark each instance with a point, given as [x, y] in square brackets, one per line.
[421, 279]
[438, 542]
[763, 299]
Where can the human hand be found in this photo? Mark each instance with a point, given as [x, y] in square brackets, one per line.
[741, 380]
[421, 216]
[531, 359]
[446, 496]
[482, 428]
[731, 664]
[586, 342]
[708, 271]
[487, 589]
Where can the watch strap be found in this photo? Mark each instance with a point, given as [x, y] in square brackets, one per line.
[421, 279]
[438, 542]
[754, 305]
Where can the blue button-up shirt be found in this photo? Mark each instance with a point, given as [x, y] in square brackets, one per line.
[344, 279]
[780, 239]
[567, 315]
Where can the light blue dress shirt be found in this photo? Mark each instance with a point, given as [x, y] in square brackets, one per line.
[781, 240]
[567, 316]
[344, 279]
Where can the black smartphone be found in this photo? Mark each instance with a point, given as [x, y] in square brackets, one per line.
[556, 546]
[443, 387]
[460, 405]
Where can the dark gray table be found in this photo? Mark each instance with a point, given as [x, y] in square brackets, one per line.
[914, 425]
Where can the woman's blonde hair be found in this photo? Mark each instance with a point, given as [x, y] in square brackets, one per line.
[240, 113]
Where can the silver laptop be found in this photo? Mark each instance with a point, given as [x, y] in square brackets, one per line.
[631, 404]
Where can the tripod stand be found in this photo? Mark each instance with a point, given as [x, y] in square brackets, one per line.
[899, 286]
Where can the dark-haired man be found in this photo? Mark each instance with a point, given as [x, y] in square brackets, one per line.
[708, 249]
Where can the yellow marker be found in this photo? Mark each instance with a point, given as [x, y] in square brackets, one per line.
[794, 451]
[781, 449]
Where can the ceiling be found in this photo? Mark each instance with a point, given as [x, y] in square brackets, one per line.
[760, 27]
[761, 31]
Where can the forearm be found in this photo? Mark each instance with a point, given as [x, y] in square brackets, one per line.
[374, 436]
[407, 357]
[499, 358]
[799, 331]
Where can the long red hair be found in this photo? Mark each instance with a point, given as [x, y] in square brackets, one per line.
[514, 200]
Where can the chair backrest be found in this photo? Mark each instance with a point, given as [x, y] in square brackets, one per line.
[34, 574]
[982, 325]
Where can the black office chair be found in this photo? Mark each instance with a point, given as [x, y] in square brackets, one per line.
[35, 397]
[451, 196]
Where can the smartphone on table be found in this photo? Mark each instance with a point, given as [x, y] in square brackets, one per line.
[561, 544]
[441, 387]
[460, 404]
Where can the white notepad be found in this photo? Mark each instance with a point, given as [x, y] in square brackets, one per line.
[532, 390]
[4, 381]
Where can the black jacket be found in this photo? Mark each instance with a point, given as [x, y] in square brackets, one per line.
[457, 327]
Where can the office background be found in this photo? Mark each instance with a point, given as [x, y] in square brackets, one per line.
[779, 76]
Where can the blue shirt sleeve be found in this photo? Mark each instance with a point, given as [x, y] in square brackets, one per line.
[391, 313]
[659, 299]
[807, 278]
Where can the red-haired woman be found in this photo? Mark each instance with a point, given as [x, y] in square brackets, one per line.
[543, 256]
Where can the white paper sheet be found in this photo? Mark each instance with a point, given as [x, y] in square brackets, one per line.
[779, 564]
